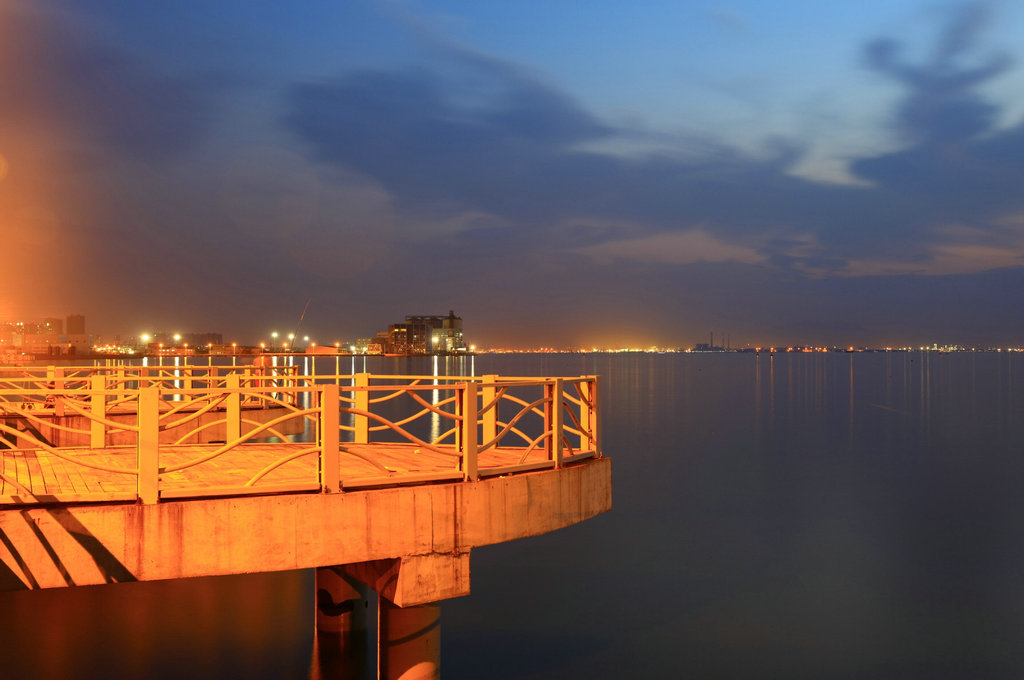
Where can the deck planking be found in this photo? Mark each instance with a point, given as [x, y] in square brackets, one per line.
[48, 475]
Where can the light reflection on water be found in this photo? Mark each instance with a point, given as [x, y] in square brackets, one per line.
[798, 516]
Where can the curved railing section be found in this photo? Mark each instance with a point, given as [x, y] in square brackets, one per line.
[170, 434]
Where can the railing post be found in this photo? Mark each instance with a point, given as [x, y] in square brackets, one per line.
[470, 411]
[233, 417]
[56, 379]
[249, 381]
[330, 466]
[553, 418]
[98, 407]
[595, 414]
[362, 403]
[588, 413]
[149, 445]
[121, 384]
[490, 416]
[460, 412]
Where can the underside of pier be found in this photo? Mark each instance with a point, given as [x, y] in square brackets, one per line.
[411, 544]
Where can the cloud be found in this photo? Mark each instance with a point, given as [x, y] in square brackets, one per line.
[59, 81]
[943, 105]
[465, 134]
[474, 135]
[681, 247]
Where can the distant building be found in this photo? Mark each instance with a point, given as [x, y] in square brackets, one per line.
[75, 324]
[370, 345]
[425, 335]
[47, 337]
[202, 339]
[417, 335]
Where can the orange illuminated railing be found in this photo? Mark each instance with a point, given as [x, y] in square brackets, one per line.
[180, 432]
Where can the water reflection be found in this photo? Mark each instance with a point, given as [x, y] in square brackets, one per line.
[224, 627]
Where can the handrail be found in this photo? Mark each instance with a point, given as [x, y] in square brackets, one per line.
[477, 423]
[234, 443]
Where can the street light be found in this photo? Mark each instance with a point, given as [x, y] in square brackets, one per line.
[273, 340]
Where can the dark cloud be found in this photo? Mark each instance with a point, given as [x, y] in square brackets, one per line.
[53, 74]
[514, 147]
[500, 142]
[492, 141]
[942, 104]
[958, 168]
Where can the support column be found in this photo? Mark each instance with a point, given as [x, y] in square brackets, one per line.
[342, 603]
[345, 625]
[409, 641]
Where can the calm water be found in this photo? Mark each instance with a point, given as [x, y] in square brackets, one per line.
[807, 516]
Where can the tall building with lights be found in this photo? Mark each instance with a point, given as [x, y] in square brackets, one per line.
[426, 335]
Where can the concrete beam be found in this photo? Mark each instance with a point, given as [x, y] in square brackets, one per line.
[430, 529]
[415, 579]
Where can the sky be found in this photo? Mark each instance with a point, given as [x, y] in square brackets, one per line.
[603, 173]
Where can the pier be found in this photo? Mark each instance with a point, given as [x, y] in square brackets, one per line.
[380, 482]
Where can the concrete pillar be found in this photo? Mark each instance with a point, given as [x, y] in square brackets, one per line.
[409, 641]
[342, 603]
[344, 623]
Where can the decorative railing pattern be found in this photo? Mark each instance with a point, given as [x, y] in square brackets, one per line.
[461, 427]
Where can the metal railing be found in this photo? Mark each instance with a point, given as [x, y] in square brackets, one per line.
[461, 427]
[31, 385]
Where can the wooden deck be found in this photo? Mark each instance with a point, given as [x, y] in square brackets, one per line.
[53, 479]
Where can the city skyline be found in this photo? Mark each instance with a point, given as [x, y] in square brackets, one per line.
[36, 333]
[565, 176]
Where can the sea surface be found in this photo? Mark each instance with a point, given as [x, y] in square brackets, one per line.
[797, 516]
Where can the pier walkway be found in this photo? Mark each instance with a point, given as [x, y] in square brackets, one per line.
[389, 479]
[200, 432]
[382, 483]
